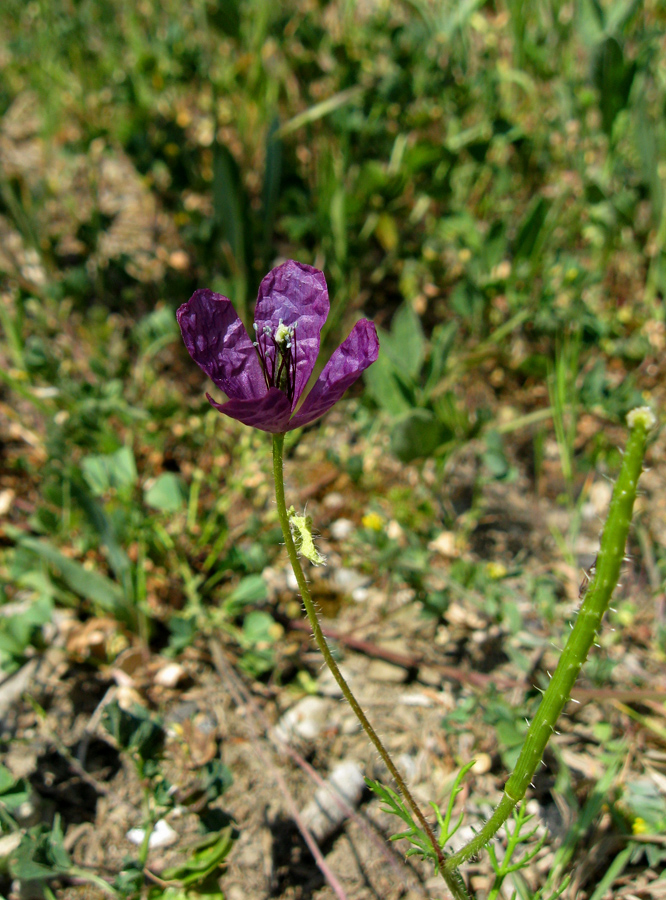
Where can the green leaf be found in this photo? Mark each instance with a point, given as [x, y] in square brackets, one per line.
[613, 78]
[183, 630]
[384, 386]
[416, 434]
[13, 791]
[530, 228]
[103, 525]
[113, 470]
[494, 457]
[230, 207]
[259, 627]
[405, 345]
[205, 860]
[442, 342]
[166, 493]
[646, 801]
[41, 854]
[216, 778]
[136, 729]
[271, 186]
[226, 17]
[90, 585]
[251, 589]
[256, 663]
[18, 632]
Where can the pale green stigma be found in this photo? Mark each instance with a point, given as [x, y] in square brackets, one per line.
[282, 333]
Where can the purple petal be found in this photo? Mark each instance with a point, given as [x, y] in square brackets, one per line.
[294, 292]
[350, 359]
[219, 344]
[271, 413]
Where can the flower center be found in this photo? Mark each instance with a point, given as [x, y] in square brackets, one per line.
[277, 355]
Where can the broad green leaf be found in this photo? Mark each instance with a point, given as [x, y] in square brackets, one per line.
[155, 331]
[113, 470]
[251, 589]
[385, 388]
[216, 778]
[166, 493]
[260, 627]
[415, 434]
[41, 854]
[387, 232]
[405, 345]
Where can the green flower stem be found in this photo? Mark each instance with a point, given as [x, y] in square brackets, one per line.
[451, 877]
[595, 604]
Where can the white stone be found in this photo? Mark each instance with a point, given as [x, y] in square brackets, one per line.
[163, 835]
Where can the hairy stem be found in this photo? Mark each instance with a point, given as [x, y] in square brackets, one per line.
[595, 604]
[451, 876]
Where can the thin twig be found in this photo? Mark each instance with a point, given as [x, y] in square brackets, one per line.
[462, 676]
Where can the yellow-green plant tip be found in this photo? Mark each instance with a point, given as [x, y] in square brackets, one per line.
[301, 531]
[641, 416]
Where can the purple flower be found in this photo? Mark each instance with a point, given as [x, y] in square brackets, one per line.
[264, 378]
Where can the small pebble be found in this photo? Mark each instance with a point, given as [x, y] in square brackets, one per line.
[170, 675]
[445, 545]
[348, 580]
[360, 594]
[334, 500]
[304, 721]
[482, 764]
[416, 699]
[379, 670]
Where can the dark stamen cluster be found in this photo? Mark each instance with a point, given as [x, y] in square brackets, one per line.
[279, 367]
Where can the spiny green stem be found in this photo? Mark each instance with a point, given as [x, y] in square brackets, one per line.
[451, 876]
[595, 604]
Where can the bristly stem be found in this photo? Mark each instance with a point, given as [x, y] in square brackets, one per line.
[450, 874]
[595, 604]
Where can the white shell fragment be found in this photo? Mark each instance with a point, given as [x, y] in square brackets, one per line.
[325, 814]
